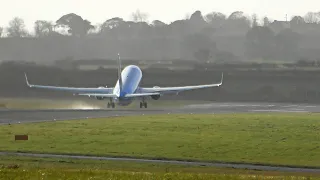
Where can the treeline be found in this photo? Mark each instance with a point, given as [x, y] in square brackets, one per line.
[212, 37]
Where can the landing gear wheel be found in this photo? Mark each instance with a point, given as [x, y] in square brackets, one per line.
[111, 105]
[145, 105]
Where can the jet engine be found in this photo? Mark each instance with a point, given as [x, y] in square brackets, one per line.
[98, 97]
[155, 97]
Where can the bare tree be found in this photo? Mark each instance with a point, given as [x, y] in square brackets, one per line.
[158, 23]
[1, 31]
[140, 16]
[43, 28]
[236, 15]
[239, 19]
[215, 18]
[266, 21]
[186, 16]
[17, 28]
[311, 17]
[255, 20]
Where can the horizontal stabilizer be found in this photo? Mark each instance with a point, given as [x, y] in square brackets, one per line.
[141, 95]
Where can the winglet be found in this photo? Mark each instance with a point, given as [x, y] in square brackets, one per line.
[25, 75]
[221, 79]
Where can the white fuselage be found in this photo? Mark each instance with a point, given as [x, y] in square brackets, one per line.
[131, 77]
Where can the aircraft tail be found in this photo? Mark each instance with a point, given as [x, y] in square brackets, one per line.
[119, 72]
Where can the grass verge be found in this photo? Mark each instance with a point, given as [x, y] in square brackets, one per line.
[14, 167]
[277, 139]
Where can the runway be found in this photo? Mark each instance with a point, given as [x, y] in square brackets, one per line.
[30, 116]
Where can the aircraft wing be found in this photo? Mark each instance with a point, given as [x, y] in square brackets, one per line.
[140, 95]
[98, 95]
[166, 90]
[115, 96]
[75, 90]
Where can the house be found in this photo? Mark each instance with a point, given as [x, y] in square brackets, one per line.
[278, 26]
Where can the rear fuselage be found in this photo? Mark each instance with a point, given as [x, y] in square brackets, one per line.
[131, 77]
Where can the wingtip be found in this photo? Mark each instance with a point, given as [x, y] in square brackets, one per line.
[26, 77]
[221, 78]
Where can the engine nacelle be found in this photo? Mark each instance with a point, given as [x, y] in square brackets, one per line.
[155, 97]
[100, 98]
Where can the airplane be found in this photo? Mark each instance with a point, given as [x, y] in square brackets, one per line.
[126, 89]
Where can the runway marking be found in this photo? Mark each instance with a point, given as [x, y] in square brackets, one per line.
[296, 109]
[62, 119]
[228, 105]
[290, 106]
[275, 110]
[181, 162]
[309, 106]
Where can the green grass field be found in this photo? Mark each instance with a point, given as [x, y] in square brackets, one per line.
[14, 167]
[84, 174]
[281, 139]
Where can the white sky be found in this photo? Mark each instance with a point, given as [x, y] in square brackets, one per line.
[167, 11]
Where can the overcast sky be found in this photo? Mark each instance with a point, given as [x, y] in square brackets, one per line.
[98, 11]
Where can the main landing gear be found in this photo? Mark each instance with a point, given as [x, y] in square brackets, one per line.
[111, 104]
[143, 104]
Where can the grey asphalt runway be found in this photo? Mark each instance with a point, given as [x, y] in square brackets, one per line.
[26, 116]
